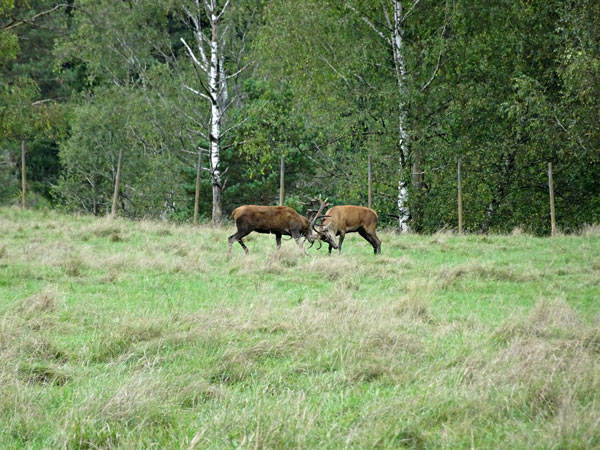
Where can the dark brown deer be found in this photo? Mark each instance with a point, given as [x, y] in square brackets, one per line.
[277, 220]
[340, 220]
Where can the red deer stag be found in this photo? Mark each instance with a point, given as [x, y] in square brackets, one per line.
[277, 220]
[340, 220]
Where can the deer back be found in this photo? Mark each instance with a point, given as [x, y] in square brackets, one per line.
[348, 218]
[269, 219]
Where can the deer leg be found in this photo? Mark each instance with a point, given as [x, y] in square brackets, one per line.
[297, 238]
[375, 242]
[243, 245]
[278, 240]
[330, 247]
[371, 239]
[342, 235]
[238, 237]
[366, 236]
[378, 242]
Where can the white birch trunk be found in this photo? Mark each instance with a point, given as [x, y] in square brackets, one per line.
[214, 88]
[395, 23]
[394, 40]
[224, 94]
[397, 46]
[210, 63]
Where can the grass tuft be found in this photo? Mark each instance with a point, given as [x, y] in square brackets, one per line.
[414, 309]
[591, 230]
[41, 373]
[546, 319]
[553, 315]
[285, 257]
[41, 302]
[115, 237]
[333, 267]
[73, 265]
[450, 276]
[104, 228]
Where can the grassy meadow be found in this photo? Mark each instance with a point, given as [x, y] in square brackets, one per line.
[119, 334]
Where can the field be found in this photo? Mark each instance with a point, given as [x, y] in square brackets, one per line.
[119, 334]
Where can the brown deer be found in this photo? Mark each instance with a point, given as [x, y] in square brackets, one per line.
[277, 220]
[340, 220]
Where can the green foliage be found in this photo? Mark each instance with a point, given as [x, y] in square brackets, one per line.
[29, 96]
[506, 89]
[6, 5]
[9, 43]
[269, 129]
[15, 110]
[9, 47]
[9, 185]
[100, 128]
[343, 92]
[113, 40]
[502, 120]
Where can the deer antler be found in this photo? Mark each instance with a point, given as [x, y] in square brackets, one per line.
[322, 205]
[313, 220]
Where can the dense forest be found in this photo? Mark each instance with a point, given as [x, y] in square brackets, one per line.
[184, 108]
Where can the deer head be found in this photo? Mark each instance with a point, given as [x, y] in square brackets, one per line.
[314, 216]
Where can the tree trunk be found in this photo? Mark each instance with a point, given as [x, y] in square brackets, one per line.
[460, 208]
[370, 183]
[215, 119]
[23, 179]
[282, 181]
[115, 200]
[197, 193]
[417, 175]
[217, 211]
[210, 63]
[552, 212]
[395, 25]
[399, 65]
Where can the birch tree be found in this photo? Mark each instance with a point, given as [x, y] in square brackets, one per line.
[392, 34]
[208, 56]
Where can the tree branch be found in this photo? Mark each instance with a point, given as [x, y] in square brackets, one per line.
[238, 72]
[232, 127]
[193, 56]
[437, 66]
[411, 10]
[577, 138]
[200, 38]
[16, 22]
[223, 10]
[201, 94]
[369, 23]
[322, 58]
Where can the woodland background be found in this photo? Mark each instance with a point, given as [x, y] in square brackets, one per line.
[506, 86]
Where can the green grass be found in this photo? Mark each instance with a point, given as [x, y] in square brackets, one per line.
[118, 334]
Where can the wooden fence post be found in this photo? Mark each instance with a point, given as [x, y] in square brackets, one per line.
[282, 182]
[23, 181]
[113, 212]
[460, 208]
[552, 212]
[370, 182]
